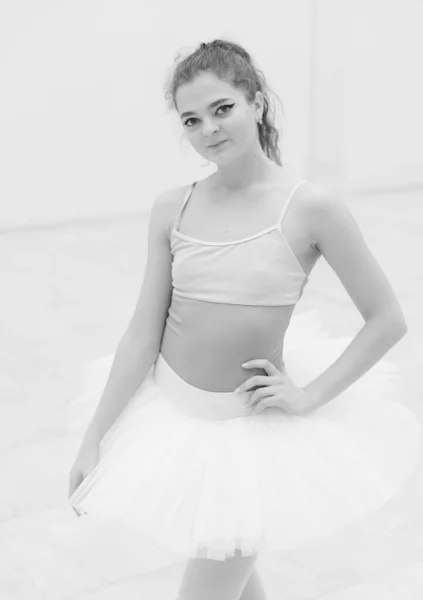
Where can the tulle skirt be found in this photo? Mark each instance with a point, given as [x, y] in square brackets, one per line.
[203, 477]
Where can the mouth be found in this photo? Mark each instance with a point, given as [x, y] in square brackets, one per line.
[218, 144]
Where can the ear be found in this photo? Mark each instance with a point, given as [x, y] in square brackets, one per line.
[259, 102]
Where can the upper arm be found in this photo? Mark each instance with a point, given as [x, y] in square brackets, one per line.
[343, 246]
[149, 318]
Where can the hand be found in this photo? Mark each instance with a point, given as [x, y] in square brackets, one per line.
[275, 389]
[86, 461]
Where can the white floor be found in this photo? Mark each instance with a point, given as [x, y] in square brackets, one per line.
[67, 296]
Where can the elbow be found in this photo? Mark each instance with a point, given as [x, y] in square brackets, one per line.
[402, 328]
[393, 324]
[399, 330]
[396, 325]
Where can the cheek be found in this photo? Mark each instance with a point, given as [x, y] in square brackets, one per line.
[238, 125]
[242, 130]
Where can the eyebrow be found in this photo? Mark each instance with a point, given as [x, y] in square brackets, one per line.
[211, 105]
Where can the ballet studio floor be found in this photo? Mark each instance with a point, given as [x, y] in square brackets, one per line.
[67, 295]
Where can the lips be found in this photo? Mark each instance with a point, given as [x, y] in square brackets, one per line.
[218, 144]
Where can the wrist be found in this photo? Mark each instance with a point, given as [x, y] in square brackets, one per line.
[314, 398]
[92, 436]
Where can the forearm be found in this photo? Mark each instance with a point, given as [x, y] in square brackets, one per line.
[131, 364]
[371, 343]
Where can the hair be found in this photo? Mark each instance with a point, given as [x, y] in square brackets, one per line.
[233, 64]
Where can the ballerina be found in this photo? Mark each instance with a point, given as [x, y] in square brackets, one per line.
[203, 439]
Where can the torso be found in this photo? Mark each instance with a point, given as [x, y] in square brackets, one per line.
[212, 216]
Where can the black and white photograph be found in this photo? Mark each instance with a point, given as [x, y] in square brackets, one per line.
[211, 242]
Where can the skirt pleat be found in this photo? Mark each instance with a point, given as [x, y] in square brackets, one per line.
[205, 478]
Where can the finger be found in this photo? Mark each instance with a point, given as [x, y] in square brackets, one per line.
[259, 381]
[261, 363]
[72, 488]
[261, 406]
[75, 481]
[258, 395]
[256, 380]
[78, 514]
[264, 404]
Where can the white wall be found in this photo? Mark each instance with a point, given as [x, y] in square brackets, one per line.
[383, 94]
[84, 126]
[367, 96]
[85, 129]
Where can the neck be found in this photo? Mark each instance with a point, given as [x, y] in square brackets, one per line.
[245, 173]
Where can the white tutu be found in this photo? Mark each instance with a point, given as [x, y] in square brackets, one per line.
[200, 475]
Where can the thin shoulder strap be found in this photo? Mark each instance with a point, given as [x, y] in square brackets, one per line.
[186, 198]
[288, 202]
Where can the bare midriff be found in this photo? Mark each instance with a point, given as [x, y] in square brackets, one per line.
[206, 343]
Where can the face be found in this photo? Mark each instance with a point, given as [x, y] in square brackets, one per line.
[232, 120]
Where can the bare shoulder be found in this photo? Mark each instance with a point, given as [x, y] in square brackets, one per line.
[317, 203]
[171, 197]
[341, 241]
[168, 203]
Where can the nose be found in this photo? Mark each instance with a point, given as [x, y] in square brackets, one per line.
[210, 129]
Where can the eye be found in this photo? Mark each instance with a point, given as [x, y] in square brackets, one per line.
[225, 106]
[229, 106]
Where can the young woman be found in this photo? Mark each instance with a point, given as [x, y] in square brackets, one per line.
[220, 456]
